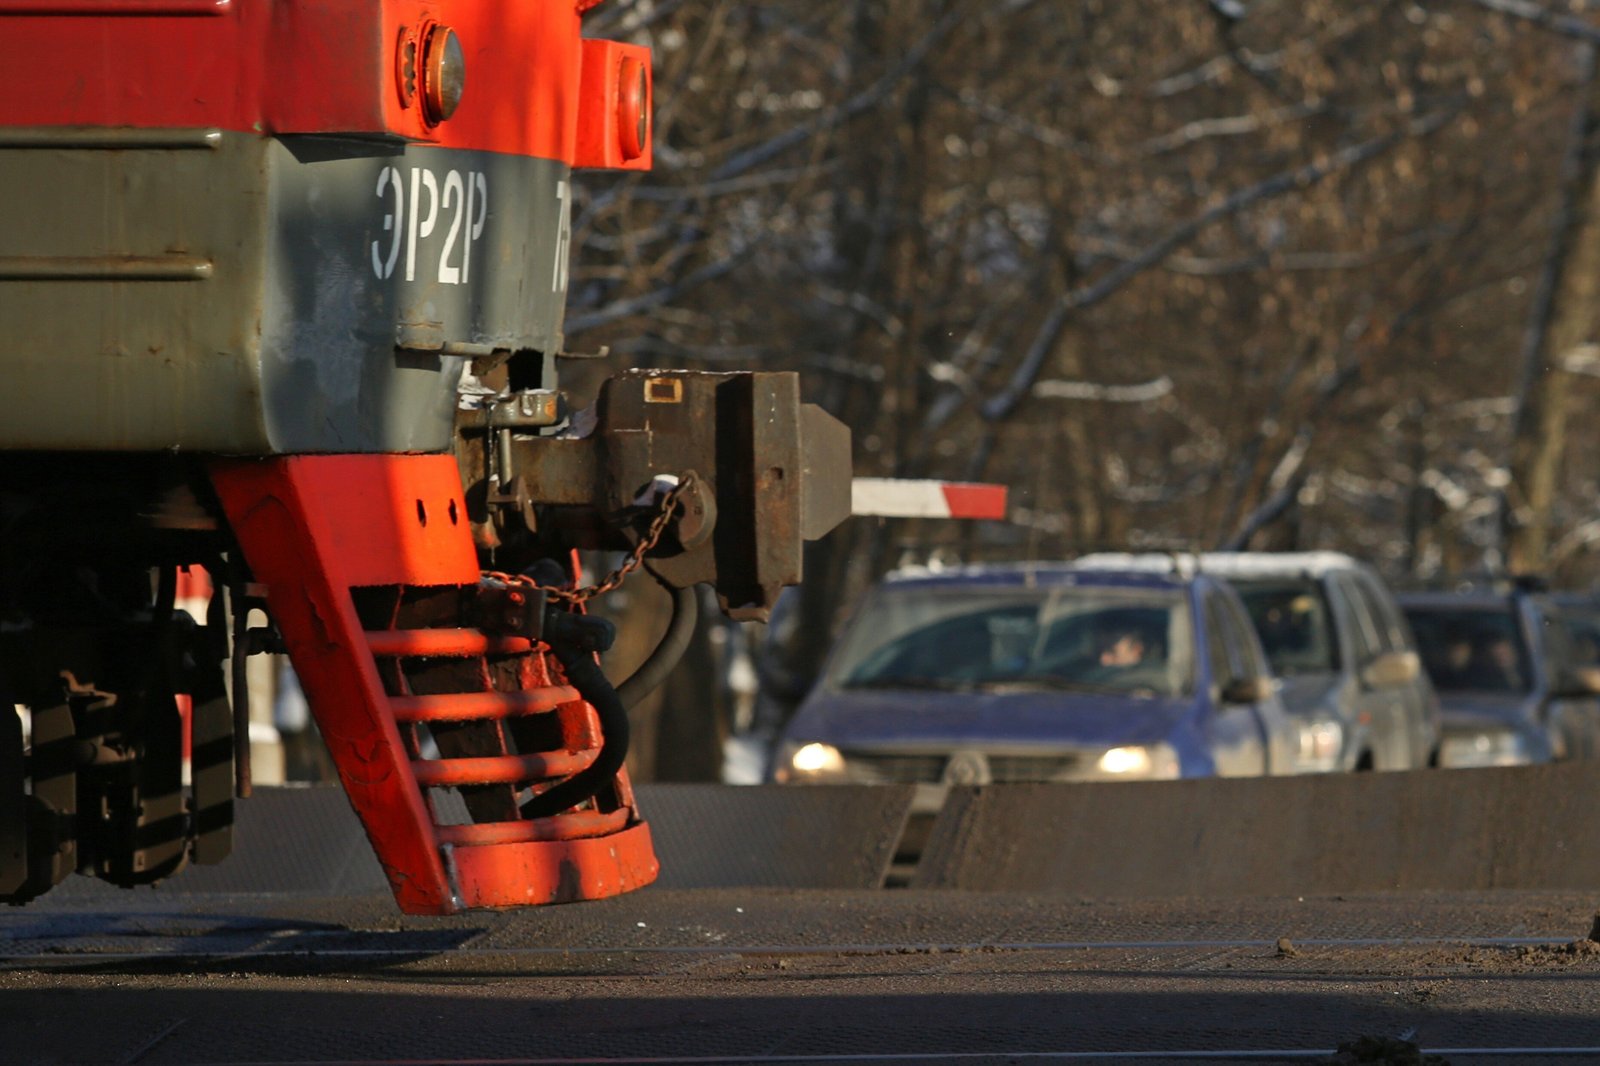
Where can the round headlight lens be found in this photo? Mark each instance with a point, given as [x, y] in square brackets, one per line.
[1144, 762]
[1125, 761]
[817, 759]
[444, 74]
[633, 108]
[1321, 741]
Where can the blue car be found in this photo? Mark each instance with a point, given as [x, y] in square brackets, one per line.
[1041, 672]
[1511, 673]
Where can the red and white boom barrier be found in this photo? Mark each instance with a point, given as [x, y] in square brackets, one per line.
[897, 498]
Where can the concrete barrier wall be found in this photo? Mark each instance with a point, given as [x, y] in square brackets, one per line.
[307, 841]
[1527, 827]
[726, 836]
[286, 841]
[1523, 827]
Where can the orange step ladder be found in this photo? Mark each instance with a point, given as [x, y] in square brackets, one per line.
[366, 560]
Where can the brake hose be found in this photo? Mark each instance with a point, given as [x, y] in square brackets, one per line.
[574, 639]
[674, 642]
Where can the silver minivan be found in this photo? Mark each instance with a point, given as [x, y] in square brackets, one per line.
[1345, 652]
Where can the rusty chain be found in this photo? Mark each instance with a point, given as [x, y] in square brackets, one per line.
[635, 559]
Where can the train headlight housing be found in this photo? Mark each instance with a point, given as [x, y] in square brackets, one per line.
[633, 108]
[444, 74]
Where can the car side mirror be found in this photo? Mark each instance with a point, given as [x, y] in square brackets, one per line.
[1581, 682]
[1248, 690]
[1391, 670]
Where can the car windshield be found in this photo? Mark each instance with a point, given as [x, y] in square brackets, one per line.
[1583, 624]
[1292, 619]
[1096, 639]
[1472, 650]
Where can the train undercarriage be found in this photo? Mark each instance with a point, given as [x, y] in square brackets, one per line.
[431, 609]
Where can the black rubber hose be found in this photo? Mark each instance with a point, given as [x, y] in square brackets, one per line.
[573, 643]
[584, 674]
[674, 642]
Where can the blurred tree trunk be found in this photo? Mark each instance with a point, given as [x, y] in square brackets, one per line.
[677, 731]
[1570, 318]
[693, 722]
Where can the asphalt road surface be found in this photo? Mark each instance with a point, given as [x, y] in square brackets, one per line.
[94, 975]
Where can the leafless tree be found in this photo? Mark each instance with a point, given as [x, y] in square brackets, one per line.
[1328, 229]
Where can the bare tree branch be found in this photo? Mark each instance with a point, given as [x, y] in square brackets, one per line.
[864, 101]
[733, 186]
[1215, 67]
[619, 19]
[1002, 404]
[1226, 126]
[1275, 506]
[1528, 11]
[1045, 135]
[1147, 392]
[1269, 259]
[621, 309]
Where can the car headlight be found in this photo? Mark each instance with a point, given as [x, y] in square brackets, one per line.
[1144, 763]
[1497, 748]
[809, 762]
[1555, 729]
[1321, 741]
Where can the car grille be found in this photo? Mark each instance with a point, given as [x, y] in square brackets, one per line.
[1019, 768]
[896, 769]
[929, 769]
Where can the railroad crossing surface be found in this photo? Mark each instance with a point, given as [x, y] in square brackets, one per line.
[802, 976]
[746, 973]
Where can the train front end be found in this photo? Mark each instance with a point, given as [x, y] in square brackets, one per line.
[284, 282]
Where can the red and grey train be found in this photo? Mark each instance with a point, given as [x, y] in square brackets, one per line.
[283, 286]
